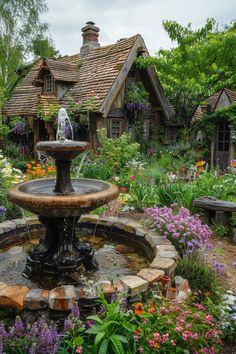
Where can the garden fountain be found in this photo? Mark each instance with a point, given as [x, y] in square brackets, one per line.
[59, 204]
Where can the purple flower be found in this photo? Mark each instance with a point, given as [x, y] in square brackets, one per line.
[234, 265]
[75, 311]
[3, 333]
[2, 210]
[67, 325]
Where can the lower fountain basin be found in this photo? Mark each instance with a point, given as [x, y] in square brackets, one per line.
[38, 197]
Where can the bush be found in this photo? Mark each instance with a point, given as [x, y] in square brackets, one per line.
[165, 327]
[184, 230]
[118, 152]
[203, 280]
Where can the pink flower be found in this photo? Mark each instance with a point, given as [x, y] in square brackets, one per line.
[123, 190]
[151, 343]
[132, 178]
[79, 350]
[140, 349]
[179, 329]
[209, 319]
[173, 342]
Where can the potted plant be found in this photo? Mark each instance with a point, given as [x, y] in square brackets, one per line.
[137, 98]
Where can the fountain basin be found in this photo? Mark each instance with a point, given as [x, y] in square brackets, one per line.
[38, 197]
[63, 149]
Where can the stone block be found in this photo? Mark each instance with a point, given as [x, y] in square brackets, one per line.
[165, 248]
[86, 297]
[36, 299]
[20, 223]
[168, 254]
[116, 286]
[1, 229]
[168, 265]
[156, 240]
[134, 284]
[2, 285]
[8, 226]
[150, 274]
[13, 296]
[93, 219]
[62, 298]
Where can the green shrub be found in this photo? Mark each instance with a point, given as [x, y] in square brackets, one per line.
[118, 152]
[203, 280]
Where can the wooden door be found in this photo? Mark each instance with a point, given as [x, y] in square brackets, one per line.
[222, 144]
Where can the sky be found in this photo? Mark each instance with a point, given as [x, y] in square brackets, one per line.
[125, 18]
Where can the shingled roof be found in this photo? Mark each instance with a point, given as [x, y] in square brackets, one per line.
[212, 102]
[102, 71]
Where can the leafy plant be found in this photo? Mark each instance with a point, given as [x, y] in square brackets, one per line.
[118, 152]
[137, 97]
[203, 280]
[112, 332]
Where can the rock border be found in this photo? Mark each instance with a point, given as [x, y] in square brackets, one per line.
[159, 250]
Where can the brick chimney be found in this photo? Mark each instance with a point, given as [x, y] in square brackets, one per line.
[90, 38]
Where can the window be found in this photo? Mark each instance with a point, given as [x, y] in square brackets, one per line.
[116, 125]
[223, 136]
[48, 84]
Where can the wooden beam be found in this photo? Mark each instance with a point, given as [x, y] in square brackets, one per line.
[105, 107]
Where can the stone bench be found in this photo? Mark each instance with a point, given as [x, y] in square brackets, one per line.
[217, 210]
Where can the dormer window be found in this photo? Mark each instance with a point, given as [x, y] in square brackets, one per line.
[48, 84]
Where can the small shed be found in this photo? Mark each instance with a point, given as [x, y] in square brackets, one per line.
[101, 72]
[222, 146]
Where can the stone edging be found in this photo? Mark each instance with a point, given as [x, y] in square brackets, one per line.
[63, 298]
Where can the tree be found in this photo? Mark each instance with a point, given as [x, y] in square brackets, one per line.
[44, 48]
[202, 63]
[20, 25]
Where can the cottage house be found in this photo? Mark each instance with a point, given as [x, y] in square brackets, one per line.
[101, 74]
[222, 146]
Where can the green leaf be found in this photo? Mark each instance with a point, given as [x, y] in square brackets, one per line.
[94, 329]
[98, 338]
[95, 318]
[103, 347]
[121, 338]
[78, 341]
[117, 345]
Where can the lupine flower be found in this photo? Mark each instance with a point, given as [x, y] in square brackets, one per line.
[67, 325]
[75, 311]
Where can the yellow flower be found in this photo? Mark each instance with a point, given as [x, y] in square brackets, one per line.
[200, 163]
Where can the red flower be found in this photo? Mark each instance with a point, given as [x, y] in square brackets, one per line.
[132, 178]
[139, 309]
[123, 190]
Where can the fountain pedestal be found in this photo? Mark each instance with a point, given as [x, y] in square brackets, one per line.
[60, 252]
[59, 204]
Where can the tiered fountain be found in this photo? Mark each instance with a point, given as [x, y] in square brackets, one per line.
[59, 204]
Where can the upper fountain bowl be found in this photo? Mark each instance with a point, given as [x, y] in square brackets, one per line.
[38, 197]
[62, 149]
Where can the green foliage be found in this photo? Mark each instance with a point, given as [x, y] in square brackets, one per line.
[137, 92]
[97, 170]
[220, 230]
[50, 115]
[203, 280]
[4, 130]
[202, 63]
[113, 332]
[44, 48]
[118, 152]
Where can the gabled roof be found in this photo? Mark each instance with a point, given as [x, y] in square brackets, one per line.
[61, 71]
[103, 71]
[212, 102]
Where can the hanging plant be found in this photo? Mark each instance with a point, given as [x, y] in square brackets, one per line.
[137, 97]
